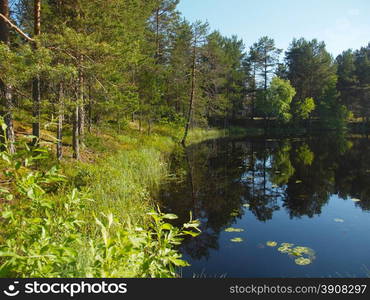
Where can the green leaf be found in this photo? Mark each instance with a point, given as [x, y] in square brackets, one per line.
[170, 216]
[236, 240]
[167, 226]
[231, 229]
[7, 214]
[301, 261]
[191, 233]
[271, 244]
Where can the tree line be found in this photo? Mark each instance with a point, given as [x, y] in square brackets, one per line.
[77, 64]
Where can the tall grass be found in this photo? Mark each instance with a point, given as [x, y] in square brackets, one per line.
[124, 183]
[48, 231]
[100, 218]
[127, 180]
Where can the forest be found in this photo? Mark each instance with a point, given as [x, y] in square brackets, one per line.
[97, 87]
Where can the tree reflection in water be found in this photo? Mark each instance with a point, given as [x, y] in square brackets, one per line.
[216, 178]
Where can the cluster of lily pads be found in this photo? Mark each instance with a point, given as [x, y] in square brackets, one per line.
[235, 239]
[236, 213]
[302, 255]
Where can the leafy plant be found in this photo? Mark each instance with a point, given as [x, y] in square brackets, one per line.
[44, 234]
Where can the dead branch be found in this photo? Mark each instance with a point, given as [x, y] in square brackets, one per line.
[16, 28]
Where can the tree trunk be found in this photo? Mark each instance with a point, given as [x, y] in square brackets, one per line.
[265, 70]
[89, 110]
[60, 123]
[81, 108]
[254, 93]
[81, 122]
[75, 135]
[157, 43]
[4, 29]
[192, 96]
[36, 91]
[6, 90]
[36, 95]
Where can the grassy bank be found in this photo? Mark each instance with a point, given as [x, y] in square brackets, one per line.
[94, 218]
[126, 169]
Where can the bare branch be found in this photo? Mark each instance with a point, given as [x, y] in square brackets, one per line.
[16, 28]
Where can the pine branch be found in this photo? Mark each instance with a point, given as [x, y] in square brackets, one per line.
[16, 28]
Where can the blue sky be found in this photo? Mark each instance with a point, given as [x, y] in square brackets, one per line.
[342, 24]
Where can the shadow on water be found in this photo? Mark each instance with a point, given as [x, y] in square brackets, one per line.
[288, 190]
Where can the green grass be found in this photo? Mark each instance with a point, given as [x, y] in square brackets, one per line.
[99, 220]
[115, 234]
[129, 168]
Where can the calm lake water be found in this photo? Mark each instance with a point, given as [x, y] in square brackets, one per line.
[312, 193]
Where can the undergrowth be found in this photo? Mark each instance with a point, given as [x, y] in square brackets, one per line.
[48, 233]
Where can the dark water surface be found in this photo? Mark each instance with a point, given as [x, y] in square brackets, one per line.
[312, 192]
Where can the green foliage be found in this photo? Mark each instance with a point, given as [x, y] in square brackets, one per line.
[44, 234]
[275, 102]
[303, 108]
[302, 255]
[304, 155]
[282, 168]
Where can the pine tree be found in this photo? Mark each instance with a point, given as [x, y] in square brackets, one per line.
[6, 89]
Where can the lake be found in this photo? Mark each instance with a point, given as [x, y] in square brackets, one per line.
[292, 207]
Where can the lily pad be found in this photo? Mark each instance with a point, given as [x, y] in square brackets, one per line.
[338, 220]
[302, 255]
[236, 240]
[231, 229]
[300, 251]
[287, 245]
[271, 244]
[285, 248]
[301, 261]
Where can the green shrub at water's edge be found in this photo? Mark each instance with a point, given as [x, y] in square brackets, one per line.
[47, 236]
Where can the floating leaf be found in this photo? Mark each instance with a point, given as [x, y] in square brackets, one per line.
[338, 220]
[285, 248]
[355, 200]
[236, 240]
[301, 261]
[303, 255]
[271, 244]
[298, 181]
[299, 251]
[231, 229]
[234, 214]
